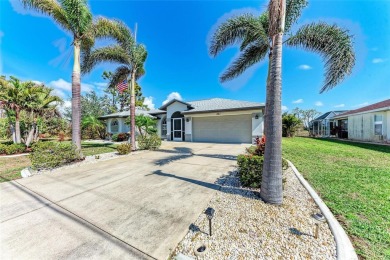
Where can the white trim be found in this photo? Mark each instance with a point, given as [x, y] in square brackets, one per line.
[226, 113]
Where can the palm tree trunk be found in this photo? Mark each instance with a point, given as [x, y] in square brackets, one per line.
[132, 111]
[17, 127]
[271, 185]
[76, 103]
[267, 88]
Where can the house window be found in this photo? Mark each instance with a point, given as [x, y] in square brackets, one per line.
[114, 126]
[164, 126]
[378, 122]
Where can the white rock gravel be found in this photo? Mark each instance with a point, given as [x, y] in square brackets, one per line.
[244, 227]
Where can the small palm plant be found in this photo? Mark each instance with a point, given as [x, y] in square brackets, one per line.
[262, 35]
[131, 57]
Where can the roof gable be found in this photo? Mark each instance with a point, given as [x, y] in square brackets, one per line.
[164, 107]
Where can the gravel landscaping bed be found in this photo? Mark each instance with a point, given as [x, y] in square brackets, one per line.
[244, 227]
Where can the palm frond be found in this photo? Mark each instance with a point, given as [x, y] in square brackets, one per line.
[113, 53]
[120, 74]
[232, 31]
[115, 29]
[257, 32]
[51, 8]
[138, 55]
[293, 12]
[251, 55]
[333, 44]
[78, 15]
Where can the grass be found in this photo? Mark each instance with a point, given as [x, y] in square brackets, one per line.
[10, 167]
[354, 181]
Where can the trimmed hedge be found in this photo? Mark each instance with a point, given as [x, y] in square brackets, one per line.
[47, 155]
[149, 142]
[250, 169]
[124, 148]
[12, 148]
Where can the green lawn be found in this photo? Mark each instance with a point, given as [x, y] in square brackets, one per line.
[354, 181]
[10, 167]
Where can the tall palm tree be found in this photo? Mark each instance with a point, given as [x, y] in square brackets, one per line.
[259, 36]
[14, 96]
[75, 17]
[131, 57]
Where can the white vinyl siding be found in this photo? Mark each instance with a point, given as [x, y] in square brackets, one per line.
[223, 129]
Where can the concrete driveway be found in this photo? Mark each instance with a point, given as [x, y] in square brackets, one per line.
[133, 207]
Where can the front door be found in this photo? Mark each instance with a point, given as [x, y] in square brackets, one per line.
[177, 131]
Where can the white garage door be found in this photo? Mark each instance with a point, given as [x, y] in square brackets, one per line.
[222, 129]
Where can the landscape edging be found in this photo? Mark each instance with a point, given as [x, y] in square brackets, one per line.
[344, 247]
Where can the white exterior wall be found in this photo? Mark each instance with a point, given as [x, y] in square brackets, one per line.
[175, 106]
[257, 125]
[158, 125]
[122, 127]
[362, 127]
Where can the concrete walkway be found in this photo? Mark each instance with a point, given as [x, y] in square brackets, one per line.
[133, 207]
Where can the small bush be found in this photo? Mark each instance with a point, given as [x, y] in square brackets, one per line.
[119, 137]
[114, 137]
[149, 142]
[12, 148]
[47, 155]
[250, 169]
[124, 148]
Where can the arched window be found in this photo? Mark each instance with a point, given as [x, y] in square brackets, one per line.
[164, 126]
[114, 126]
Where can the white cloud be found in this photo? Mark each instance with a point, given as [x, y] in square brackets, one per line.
[66, 104]
[149, 102]
[304, 67]
[37, 82]
[298, 101]
[378, 60]
[318, 104]
[20, 9]
[284, 108]
[340, 105]
[101, 84]
[62, 86]
[361, 105]
[173, 95]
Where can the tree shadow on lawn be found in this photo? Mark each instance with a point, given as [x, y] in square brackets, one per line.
[373, 146]
[227, 183]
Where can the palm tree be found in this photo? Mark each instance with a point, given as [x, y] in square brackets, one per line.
[14, 96]
[41, 100]
[259, 36]
[131, 57]
[75, 17]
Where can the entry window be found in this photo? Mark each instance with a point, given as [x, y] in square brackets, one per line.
[164, 126]
[378, 124]
[114, 126]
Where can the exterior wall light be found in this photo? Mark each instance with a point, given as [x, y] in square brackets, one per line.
[256, 116]
[210, 214]
[188, 119]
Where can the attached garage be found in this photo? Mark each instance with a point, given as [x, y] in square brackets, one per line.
[223, 129]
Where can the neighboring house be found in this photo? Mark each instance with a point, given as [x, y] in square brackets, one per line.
[370, 123]
[115, 123]
[325, 123]
[211, 120]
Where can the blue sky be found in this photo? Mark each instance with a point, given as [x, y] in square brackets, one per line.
[176, 35]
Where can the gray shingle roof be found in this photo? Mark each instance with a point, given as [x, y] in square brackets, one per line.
[220, 104]
[323, 116]
[126, 114]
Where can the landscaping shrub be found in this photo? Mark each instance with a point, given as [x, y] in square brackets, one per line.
[2, 148]
[47, 155]
[149, 142]
[12, 148]
[120, 137]
[250, 170]
[124, 148]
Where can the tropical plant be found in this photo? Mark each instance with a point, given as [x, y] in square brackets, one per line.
[15, 97]
[290, 124]
[92, 127]
[131, 57]
[145, 124]
[75, 17]
[259, 36]
[124, 148]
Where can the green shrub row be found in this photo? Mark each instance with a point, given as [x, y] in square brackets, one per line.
[149, 142]
[47, 155]
[12, 148]
[124, 148]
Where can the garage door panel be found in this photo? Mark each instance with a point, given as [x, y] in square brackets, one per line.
[223, 129]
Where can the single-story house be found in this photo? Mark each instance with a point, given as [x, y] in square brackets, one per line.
[211, 120]
[325, 124]
[115, 123]
[370, 123]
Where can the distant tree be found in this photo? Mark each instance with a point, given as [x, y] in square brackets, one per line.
[306, 116]
[290, 124]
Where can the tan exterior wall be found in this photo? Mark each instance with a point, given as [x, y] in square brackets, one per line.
[362, 127]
